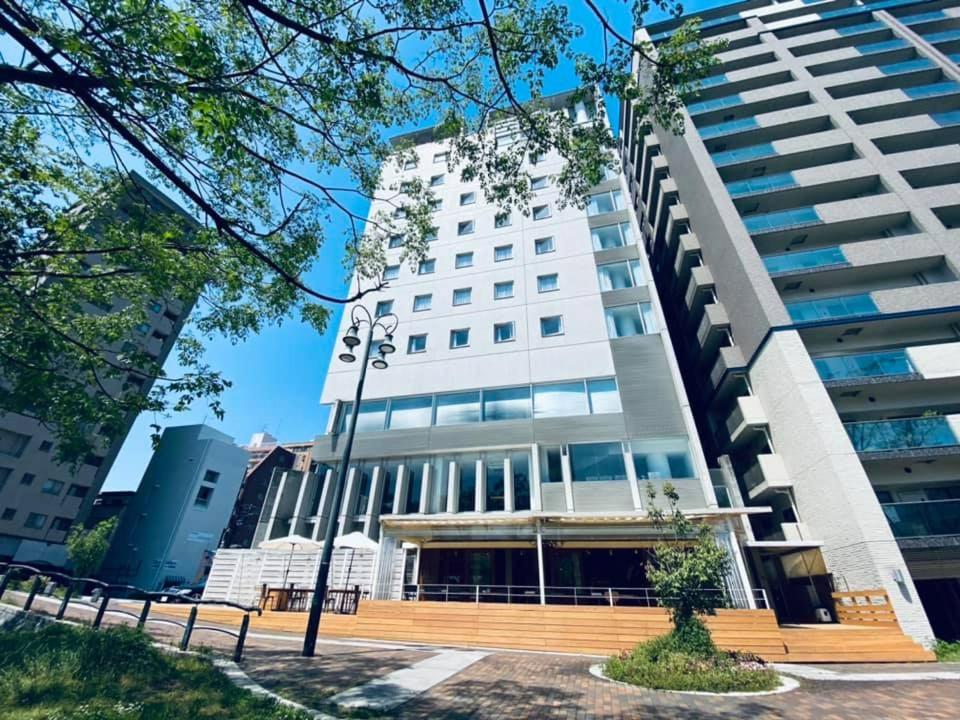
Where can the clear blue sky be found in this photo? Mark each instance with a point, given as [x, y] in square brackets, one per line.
[278, 375]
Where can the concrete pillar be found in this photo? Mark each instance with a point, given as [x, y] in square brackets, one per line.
[480, 487]
[453, 486]
[403, 488]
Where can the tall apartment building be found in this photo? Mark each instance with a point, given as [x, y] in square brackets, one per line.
[533, 395]
[40, 499]
[803, 235]
[263, 443]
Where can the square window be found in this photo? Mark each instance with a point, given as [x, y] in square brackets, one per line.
[431, 235]
[416, 344]
[45, 446]
[410, 164]
[436, 204]
[503, 332]
[548, 283]
[552, 325]
[61, 524]
[539, 183]
[465, 227]
[51, 487]
[534, 158]
[399, 213]
[628, 320]
[78, 491]
[462, 296]
[503, 252]
[27, 479]
[427, 267]
[468, 198]
[437, 180]
[211, 476]
[502, 220]
[391, 272]
[542, 246]
[203, 496]
[422, 302]
[384, 307]
[541, 212]
[8, 513]
[604, 202]
[35, 521]
[460, 338]
[503, 290]
[156, 307]
[439, 157]
[142, 328]
[395, 241]
[464, 260]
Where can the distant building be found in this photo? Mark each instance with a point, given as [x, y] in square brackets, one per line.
[262, 443]
[250, 500]
[109, 504]
[171, 528]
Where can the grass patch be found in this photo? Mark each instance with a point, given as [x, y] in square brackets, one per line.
[64, 672]
[687, 659]
[947, 651]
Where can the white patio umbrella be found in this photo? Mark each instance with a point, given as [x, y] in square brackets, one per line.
[354, 541]
[293, 542]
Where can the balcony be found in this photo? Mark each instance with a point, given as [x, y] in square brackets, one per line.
[710, 332]
[701, 281]
[747, 417]
[835, 308]
[806, 261]
[923, 519]
[853, 369]
[784, 220]
[760, 185]
[768, 476]
[905, 435]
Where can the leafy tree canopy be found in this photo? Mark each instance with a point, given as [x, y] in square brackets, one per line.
[87, 548]
[244, 110]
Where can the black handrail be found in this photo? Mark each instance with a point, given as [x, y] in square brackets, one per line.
[147, 596]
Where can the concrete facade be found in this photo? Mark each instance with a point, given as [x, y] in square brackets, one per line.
[803, 237]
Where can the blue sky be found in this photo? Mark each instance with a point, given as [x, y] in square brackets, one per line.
[278, 375]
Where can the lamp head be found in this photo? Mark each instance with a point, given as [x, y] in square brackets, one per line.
[386, 345]
[347, 357]
[352, 338]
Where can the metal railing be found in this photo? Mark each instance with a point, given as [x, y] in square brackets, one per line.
[108, 591]
[565, 595]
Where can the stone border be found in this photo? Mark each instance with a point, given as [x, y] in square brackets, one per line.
[786, 685]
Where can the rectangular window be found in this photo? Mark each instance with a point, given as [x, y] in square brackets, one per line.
[663, 459]
[410, 164]
[432, 235]
[372, 418]
[551, 464]
[436, 204]
[459, 338]
[467, 497]
[142, 328]
[411, 412]
[211, 476]
[77, 491]
[548, 283]
[422, 302]
[45, 446]
[493, 467]
[395, 242]
[35, 521]
[61, 524]
[619, 275]
[503, 332]
[399, 213]
[464, 260]
[468, 198]
[8, 513]
[539, 183]
[503, 290]
[542, 246]
[462, 296]
[384, 307]
[520, 469]
[51, 487]
[604, 202]
[416, 344]
[503, 252]
[534, 158]
[502, 220]
[391, 272]
[627, 320]
[559, 399]
[552, 325]
[465, 227]
[604, 397]
[426, 267]
[595, 462]
[156, 307]
[436, 180]
[414, 472]
[541, 212]
[5, 473]
[203, 496]
[506, 404]
[611, 236]
[27, 479]
[440, 157]
[458, 408]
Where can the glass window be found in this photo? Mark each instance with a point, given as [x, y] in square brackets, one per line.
[436, 180]
[458, 408]
[520, 469]
[548, 283]
[662, 459]
[503, 252]
[400, 213]
[8, 513]
[559, 399]
[373, 414]
[395, 241]
[422, 302]
[468, 198]
[464, 260]
[439, 472]
[427, 267]
[506, 403]
[619, 275]
[435, 204]
[495, 486]
[384, 307]
[79, 491]
[156, 307]
[604, 202]
[460, 338]
[203, 496]
[465, 227]
[551, 464]
[539, 183]
[211, 476]
[590, 462]
[502, 290]
[534, 158]
[391, 272]
[541, 212]
[439, 157]
[502, 220]
[35, 521]
[417, 343]
[462, 296]
[611, 236]
[467, 476]
[362, 480]
[27, 479]
[51, 487]
[413, 412]
[409, 164]
[542, 246]
[503, 332]
[604, 397]
[414, 471]
[627, 320]
[431, 234]
[388, 481]
[142, 328]
[552, 325]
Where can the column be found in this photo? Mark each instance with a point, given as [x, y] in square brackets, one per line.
[480, 487]
[371, 514]
[349, 496]
[543, 591]
[453, 486]
[536, 503]
[567, 477]
[403, 488]
[509, 502]
[425, 489]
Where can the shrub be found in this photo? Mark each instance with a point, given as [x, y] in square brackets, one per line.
[947, 651]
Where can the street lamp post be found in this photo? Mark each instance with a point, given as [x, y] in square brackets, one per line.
[359, 317]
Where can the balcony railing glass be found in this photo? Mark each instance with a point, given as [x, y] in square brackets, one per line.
[922, 17]
[784, 220]
[712, 81]
[903, 434]
[808, 260]
[754, 152]
[923, 519]
[844, 306]
[714, 104]
[758, 185]
[880, 47]
[907, 66]
[945, 36]
[859, 29]
[946, 119]
[924, 91]
[728, 128]
[889, 363]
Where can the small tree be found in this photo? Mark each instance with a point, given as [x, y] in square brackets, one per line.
[687, 569]
[88, 548]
